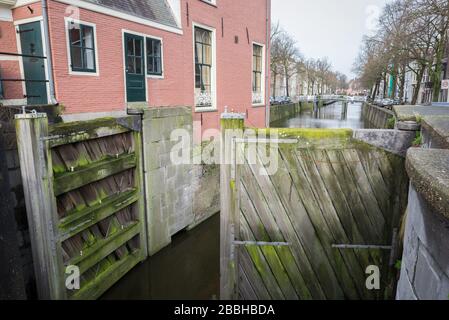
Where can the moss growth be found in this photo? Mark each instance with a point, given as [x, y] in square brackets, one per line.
[418, 118]
[82, 126]
[232, 185]
[418, 140]
[232, 123]
[391, 123]
[295, 133]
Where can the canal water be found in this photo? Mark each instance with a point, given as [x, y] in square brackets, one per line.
[328, 117]
[188, 269]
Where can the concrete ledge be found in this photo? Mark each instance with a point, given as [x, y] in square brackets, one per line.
[165, 112]
[92, 116]
[408, 126]
[436, 132]
[394, 141]
[416, 113]
[283, 111]
[428, 170]
[376, 117]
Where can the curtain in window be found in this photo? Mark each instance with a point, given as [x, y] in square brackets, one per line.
[203, 67]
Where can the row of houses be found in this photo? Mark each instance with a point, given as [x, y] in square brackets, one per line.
[425, 87]
[101, 57]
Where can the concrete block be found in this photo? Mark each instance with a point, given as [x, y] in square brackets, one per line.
[410, 255]
[405, 289]
[397, 142]
[427, 276]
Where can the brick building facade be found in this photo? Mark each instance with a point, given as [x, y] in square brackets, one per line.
[96, 51]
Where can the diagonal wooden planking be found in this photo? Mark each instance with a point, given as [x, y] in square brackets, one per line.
[297, 204]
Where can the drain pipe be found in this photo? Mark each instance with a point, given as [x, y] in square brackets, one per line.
[267, 64]
[46, 35]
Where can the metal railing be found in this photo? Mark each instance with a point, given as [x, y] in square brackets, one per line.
[12, 54]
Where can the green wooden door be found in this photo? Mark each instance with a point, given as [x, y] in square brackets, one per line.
[33, 63]
[135, 68]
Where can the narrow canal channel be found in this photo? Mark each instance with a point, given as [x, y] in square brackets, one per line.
[190, 267]
[328, 117]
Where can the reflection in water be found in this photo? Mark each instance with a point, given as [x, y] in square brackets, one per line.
[332, 116]
[189, 269]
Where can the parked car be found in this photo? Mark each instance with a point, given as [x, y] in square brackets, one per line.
[285, 100]
[397, 101]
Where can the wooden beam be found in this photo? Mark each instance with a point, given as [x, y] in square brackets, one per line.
[37, 177]
[140, 185]
[104, 281]
[104, 247]
[232, 126]
[80, 221]
[66, 182]
[72, 132]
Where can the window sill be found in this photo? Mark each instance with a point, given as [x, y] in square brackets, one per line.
[205, 109]
[80, 73]
[154, 76]
[258, 105]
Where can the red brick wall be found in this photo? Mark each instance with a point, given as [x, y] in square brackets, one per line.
[106, 92]
[9, 65]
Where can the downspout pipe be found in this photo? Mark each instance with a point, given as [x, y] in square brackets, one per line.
[46, 35]
[267, 65]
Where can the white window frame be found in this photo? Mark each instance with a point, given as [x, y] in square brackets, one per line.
[147, 76]
[262, 80]
[211, 2]
[214, 68]
[67, 21]
[153, 76]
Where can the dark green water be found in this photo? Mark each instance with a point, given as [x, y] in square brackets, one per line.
[328, 117]
[189, 269]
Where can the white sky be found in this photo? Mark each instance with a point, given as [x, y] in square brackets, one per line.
[328, 28]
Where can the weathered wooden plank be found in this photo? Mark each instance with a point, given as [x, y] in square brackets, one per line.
[274, 262]
[263, 267]
[359, 174]
[316, 242]
[380, 189]
[231, 127]
[302, 235]
[349, 224]
[343, 263]
[97, 171]
[37, 174]
[247, 266]
[274, 206]
[245, 288]
[279, 271]
[68, 133]
[80, 221]
[370, 233]
[104, 247]
[139, 184]
[95, 288]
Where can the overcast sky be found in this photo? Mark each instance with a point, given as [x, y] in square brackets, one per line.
[328, 28]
